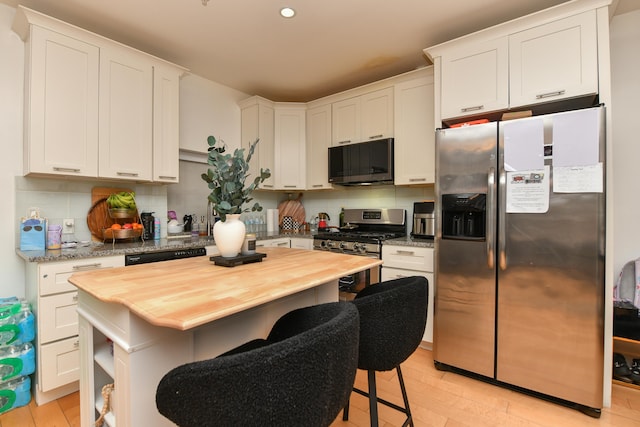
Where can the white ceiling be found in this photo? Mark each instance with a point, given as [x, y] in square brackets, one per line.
[330, 46]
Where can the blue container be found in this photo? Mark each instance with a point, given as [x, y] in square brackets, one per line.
[15, 393]
[16, 361]
[17, 324]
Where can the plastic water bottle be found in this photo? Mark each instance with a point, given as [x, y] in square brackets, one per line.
[156, 228]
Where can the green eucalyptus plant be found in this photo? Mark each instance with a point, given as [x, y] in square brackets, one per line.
[226, 178]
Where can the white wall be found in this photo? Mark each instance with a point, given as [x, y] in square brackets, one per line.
[625, 87]
[11, 84]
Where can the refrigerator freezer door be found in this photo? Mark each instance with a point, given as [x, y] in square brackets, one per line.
[551, 292]
[464, 309]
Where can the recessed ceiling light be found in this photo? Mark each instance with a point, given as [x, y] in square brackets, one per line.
[287, 12]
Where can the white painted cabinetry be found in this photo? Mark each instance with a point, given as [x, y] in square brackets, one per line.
[404, 261]
[54, 301]
[126, 113]
[94, 107]
[377, 114]
[257, 116]
[557, 60]
[414, 143]
[272, 243]
[362, 118]
[290, 149]
[166, 128]
[317, 144]
[301, 243]
[475, 78]
[548, 56]
[61, 104]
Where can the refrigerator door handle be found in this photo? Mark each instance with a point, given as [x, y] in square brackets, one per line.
[491, 195]
[502, 245]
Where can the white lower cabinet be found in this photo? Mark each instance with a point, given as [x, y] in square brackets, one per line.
[301, 243]
[54, 302]
[405, 261]
[271, 243]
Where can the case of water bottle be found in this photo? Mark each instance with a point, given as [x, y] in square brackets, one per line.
[17, 355]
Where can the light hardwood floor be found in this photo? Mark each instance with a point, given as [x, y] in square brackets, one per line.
[438, 399]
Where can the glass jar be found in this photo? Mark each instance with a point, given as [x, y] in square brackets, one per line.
[249, 245]
[54, 236]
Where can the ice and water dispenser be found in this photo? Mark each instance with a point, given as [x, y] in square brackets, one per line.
[464, 216]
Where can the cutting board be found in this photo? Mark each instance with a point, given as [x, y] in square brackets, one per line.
[292, 208]
[98, 216]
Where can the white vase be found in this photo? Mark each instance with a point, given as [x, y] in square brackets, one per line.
[229, 235]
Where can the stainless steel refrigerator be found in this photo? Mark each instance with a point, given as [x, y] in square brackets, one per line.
[520, 248]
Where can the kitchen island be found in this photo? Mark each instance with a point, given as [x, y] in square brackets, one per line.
[138, 322]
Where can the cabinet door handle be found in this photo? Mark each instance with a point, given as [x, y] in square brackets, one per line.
[375, 136]
[290, 186]
[550, 94]
[134, 174]
[346, 141]
[76, 344]
[87, 266]
[405, 253]
[168, 177]
[317, 185]
[72, 170]
[75, 298]
[267, 185]
[417, 179]
[474, 108]
[282, 244]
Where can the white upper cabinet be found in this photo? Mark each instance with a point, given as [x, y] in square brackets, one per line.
[257, 115]
[414, 143]
[318, 143]
[377, 114]
[547, 56]
[166, 131]
[290, 158]
[93, 107]
[554, 61]
[126, 116]
[475, 79]
[61, 105]
[346, 121]
[362, 118]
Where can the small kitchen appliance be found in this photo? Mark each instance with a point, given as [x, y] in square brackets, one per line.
[423, 220]
[147, 222]
[322, 223]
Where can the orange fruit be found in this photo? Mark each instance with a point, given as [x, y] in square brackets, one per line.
[116, 227]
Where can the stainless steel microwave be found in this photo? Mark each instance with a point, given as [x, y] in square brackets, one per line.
[368, 162]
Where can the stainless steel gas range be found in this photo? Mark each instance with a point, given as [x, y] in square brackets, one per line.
[362, 234]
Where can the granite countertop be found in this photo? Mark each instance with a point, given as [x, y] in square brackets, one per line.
[99, 249]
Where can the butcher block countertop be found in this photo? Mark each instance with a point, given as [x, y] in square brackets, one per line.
[186, 293]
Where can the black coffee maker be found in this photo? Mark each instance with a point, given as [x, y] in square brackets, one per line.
[147, 222]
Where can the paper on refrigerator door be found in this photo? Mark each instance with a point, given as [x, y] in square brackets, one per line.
[528, 191]
[523, 145]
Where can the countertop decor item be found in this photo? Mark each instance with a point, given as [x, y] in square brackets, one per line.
[226, 178]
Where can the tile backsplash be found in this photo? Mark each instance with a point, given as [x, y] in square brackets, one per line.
[58, 199]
